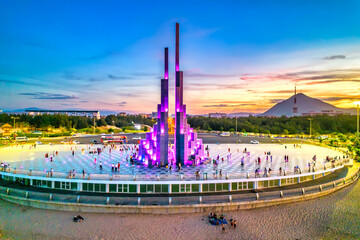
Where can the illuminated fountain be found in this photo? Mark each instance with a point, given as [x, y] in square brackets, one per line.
[187, 149]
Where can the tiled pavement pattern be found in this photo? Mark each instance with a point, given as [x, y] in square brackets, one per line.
[34, 159]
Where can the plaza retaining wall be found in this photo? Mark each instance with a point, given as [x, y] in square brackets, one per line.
[222, 203]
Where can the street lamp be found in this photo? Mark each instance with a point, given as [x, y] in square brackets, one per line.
[94, 123]
[357, 119]
[236, 125]
[14, 120]
[310, 119]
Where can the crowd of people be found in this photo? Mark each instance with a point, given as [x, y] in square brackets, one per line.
[216, 220]
[263, 163]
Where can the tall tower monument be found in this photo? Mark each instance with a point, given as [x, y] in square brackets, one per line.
[162, 137]
[180, 108]
[154, 149]
[295, 109]
[188, 149]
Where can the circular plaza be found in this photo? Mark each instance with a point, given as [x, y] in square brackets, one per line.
[234, 176]
[233, 160]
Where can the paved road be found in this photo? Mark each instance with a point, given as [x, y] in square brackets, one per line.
[207, 139]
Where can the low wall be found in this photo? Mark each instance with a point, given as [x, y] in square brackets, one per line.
[258, 202]
[135, 186]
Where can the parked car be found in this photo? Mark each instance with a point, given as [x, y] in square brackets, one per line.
[225, 134]
[38, 143]
[65, 142]
[94, 141]
[136, 138]
[22, 139]
[254, 142]
[76, 142]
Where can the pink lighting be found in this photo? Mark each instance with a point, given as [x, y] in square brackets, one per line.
[155, 149]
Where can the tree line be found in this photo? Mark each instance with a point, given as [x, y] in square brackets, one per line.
[43, 122]
[323, 124]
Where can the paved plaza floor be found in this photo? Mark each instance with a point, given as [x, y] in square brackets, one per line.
[34, 159]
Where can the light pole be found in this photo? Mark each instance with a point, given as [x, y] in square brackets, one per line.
[94, 123]
[310, 119]
[14, 120]
[236, 125]
[357, 119]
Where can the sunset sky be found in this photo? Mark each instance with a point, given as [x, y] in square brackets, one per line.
[237, 56]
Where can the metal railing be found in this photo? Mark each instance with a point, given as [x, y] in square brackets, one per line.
[161, 186]
[173, 200]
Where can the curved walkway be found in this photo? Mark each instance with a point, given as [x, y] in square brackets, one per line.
[336, 216]
[161, 205]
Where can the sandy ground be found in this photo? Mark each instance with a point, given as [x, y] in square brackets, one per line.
[336, 216]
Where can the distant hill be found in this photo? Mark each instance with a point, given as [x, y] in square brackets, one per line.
[305, 104]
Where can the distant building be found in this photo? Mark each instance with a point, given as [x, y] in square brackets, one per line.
[6, 129]
[83, 113]
[144, 115]
[122, 114]
[325, 112]
[217, 115]
[154, 115]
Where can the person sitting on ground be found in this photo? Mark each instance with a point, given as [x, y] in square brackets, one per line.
[223, 228]
[231, 222]
[235, 223]
[78, 218]
[211, 215]
[215, 216]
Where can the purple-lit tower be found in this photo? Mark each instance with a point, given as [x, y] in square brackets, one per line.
[154, 150]
[188, 149]
[163, 113]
